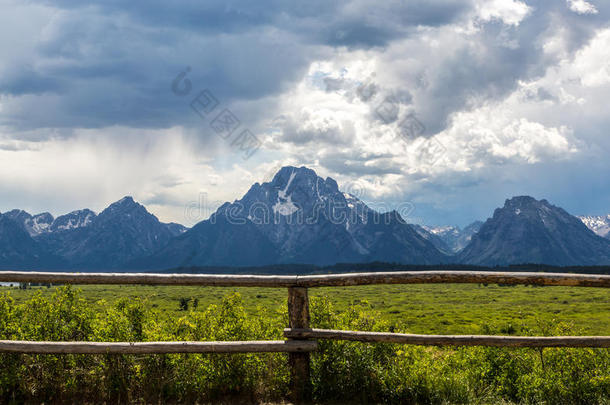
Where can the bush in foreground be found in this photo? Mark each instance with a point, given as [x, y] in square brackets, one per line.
[341, 371]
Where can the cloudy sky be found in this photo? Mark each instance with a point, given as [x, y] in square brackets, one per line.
[452, 105]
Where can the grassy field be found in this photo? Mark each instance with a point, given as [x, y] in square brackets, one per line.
[441, 309]
[342, 372]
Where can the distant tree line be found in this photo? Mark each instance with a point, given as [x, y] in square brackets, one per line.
[25, 286]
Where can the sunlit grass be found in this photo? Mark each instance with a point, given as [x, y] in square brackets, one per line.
[442, 309]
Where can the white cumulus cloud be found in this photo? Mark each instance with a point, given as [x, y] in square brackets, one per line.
[582, 7]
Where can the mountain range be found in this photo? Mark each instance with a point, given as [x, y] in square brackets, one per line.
[296, 218]
[83, 240]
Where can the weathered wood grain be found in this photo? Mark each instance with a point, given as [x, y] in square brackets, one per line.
[298, 317]
[327, 280]
[449, 340]
[220, 280]
[434, 277]
[290, 346]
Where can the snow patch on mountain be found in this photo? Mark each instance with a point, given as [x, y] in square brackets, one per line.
[34, 225]
[73, 220]
[598, 224]
[449, 239]
[40, 223]
[443, 230]
[284, 205]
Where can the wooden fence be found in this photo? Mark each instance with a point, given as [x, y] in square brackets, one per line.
[299, 336]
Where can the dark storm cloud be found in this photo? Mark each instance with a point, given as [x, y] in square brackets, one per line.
[367, 23]
[111, 62]
[209, 17]
[27, 81]
[357, 18]
[111, 80]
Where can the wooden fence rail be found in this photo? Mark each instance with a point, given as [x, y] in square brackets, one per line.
[298, 346]
[448, 340]
[326, 280]
[263, 346]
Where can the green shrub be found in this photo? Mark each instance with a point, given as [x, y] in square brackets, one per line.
[341, 371]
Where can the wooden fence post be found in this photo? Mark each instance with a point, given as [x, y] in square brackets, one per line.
[298, 315]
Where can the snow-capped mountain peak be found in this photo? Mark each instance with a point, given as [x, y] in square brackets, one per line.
[34, 225]
[40, 223]
[443, 230]
[298, 217]
[598, 224]
[449, 239]
[73, 220]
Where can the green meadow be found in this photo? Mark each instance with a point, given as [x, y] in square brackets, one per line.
[342, 372]
[440, 308]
